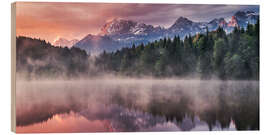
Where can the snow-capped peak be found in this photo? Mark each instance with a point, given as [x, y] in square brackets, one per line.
[64, 42]
[117, 26]
[120, 26]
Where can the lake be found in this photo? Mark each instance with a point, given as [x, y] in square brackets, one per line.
[134, 105]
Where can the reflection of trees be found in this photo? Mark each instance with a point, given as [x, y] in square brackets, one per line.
[223, 109]
[220, 112]
[239, 103]
[158, 105]
[170, 107]
[246, 112]
[37, 113]
[232, 101]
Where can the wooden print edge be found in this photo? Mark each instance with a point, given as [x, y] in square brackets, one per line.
[13, 67]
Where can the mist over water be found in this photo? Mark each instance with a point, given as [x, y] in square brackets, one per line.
[130, 104]
[196, 82]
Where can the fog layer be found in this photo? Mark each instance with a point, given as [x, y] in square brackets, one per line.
[172, 99]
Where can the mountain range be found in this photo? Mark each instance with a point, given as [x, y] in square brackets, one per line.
[120, 32]
[64, 42]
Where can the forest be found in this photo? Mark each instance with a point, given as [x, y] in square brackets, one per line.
[213, 54]
[37, 58]
[209, 55]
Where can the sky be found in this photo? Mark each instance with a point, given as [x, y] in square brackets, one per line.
[52, 20]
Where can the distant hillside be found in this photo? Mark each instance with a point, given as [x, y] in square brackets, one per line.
[36, 58]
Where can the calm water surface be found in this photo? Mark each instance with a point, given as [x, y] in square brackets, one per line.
[126, 105]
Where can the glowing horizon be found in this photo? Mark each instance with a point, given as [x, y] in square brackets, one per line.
[52, 20]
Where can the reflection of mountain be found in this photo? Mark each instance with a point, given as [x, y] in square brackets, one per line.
[70, 122]
[118, 33]
[111, 118]
[41, 113]
[134, 105]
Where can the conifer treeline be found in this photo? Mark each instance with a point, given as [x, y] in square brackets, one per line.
[37, 58]
[227, 56]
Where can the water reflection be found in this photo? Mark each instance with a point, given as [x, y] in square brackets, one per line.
[67, 122]
[136, 105]
[115, 118]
